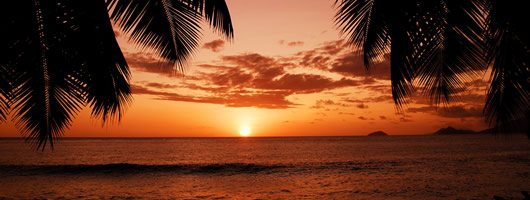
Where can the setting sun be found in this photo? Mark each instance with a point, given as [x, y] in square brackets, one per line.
[244, 131]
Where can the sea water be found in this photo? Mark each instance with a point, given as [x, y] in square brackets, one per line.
[388, 167]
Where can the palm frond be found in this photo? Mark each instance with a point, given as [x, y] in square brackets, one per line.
[8, 46]
[379, 27]
[103, 68]
[216, 14]
[449, 46]
[5, 90]
[364, 23]
[171, 28]
[508, 51]
[402, 65]
[69, 57]
[44, 96]
[5, 79]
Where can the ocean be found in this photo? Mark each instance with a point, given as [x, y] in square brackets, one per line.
[388, 167]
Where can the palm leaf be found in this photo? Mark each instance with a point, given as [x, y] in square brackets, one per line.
[70, 57]
[450, 46]
[44, 96]
[379, 27]
[364, 23]
[508, 51]
[216, 14]
[171, 28]
[63, 54]
[5, 90]
[104, 70]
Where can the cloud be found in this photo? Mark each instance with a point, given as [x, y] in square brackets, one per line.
[346, 113]
[336, 56]
[239, 80]
[457, 111]
[266, 73]
[161, 85]
[319, 104]
[147, 63]
[352, 64]
[291, 44]
[382, 117]
[403, 119]
[362, 118]
[295, 43]
[245, 80]
[303, 83]
[270, 100]
[214, 45]
[375, 99]
[362, 106]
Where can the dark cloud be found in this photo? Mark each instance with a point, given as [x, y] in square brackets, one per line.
[295, 43]
[460, 112]
[234, 77]
[266, 73]
[346, 113]
[147, 63]
[304, 83]
[403, 119]
[319, 104]
[382, 117]
[362, 118]
[479, 83]
[246, 77]
[336, 56]
[244, 80]
[161, 85]
[270, 100]
[361, 106]
[291, 44]
[375, 99]
[215, 45]
[251, 61]
[457, 111]
[352, 64]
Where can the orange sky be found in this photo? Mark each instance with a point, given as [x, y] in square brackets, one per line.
[287, 73]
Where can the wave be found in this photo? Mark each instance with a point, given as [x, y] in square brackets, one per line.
[218, 168]
[139, 168]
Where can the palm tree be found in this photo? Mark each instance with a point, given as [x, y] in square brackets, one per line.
[61, 55]
[438, 44]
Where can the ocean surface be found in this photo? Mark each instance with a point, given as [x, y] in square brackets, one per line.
[393, 167]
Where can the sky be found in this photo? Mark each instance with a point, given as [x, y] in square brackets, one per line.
[288, 72]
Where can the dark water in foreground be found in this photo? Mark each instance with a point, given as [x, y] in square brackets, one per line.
[395, 167]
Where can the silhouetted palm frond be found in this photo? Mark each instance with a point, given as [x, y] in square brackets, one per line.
[170, 27]
[104, 69]
[450, 46]
[444, 43]
[4, 92]
[216, 14]
[45, 93]
[379, 28]
[61, 55]
[508, 49]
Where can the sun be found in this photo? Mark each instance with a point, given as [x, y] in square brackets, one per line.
[244, 131]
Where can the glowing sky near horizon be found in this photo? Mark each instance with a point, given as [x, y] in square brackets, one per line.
[287, 73]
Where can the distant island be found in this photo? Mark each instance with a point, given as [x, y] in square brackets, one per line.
[378, 133]
[518, 126]
[453, 131]
[512, 127]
